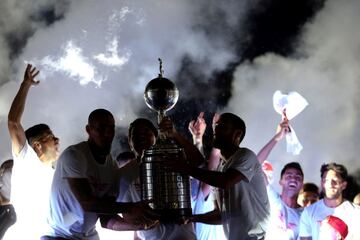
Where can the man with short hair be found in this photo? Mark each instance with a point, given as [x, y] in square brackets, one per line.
[34, 151]
[242, 205]
[84, 186]
[285, 211]
[333, 183]
[308, 194]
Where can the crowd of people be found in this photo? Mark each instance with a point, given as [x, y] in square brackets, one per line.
[232, 191]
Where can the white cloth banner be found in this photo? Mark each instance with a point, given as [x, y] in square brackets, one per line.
[288, 106]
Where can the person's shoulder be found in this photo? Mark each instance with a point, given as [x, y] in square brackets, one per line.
[314, 207]
[248, 156]
[78, 147]
[74, 151]
[129, 171]
[7, 164]
[246, 152]
[350, 205]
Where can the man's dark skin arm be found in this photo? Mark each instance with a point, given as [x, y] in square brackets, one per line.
[192, 153]
[214, 178]
[117, 223]
[82, 191]
[213, 217]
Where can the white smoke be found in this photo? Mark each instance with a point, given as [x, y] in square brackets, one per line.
[325, 70]
[18, 21]
[103, 55]
[100, 55]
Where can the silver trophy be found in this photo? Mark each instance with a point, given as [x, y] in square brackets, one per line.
[169, 192]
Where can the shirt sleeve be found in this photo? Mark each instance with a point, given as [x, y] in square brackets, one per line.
[305, 225]
[72, 164]
[246, 163]
[274, 197]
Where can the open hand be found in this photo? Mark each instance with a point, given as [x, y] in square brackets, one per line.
[140, 213]
[30, 74]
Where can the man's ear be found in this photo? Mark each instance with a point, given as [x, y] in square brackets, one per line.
[37, 147]
[131, 146]
[343, 185]
[280, 181]
[87, 128]
[237, 135]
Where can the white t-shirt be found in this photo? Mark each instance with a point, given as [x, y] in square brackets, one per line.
[201, 205]
[67, 218]
[245, 205]
[130, 191]
[284, 221]
[30, 183]
[310, 221]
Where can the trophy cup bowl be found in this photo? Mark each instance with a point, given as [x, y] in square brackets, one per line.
[161, 95]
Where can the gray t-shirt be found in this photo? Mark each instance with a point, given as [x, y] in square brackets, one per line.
[245, 205]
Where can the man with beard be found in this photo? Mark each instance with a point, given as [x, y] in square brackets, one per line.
[242, 205]
[285, 211]
[333, 183]
[84, 190]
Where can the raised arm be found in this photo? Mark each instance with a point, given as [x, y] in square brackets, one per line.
[282, 129]
[17, 133]
[197, 129]
[192, 153]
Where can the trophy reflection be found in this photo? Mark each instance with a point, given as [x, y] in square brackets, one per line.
[169, 192]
